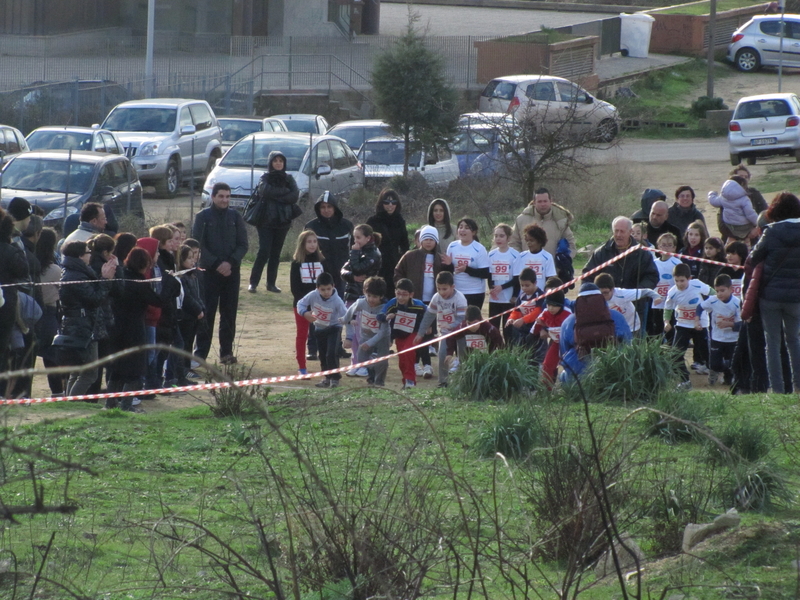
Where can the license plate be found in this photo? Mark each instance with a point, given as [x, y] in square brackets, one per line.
[763, 141]
[237, 203]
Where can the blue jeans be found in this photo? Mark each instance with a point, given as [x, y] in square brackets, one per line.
[777, 317]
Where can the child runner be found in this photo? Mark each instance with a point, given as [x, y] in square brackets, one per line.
[404, 313]
[536, 257]
[374, 335]
[665, 264]
[526, 310]
[473, 334]
[323, 307]
[469, 261]
[548, 327]
[683, 299]
[503, 286]
[725, 313]
[694, 241]
[307, 265]
[735, 255]
[714, 249]
[622, 300]
[448, 307]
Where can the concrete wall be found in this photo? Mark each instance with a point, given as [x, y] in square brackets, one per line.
[307, 18]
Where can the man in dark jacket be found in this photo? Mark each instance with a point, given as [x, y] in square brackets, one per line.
[334, 233]
[636, 270]
[658, 225]
[223, 244]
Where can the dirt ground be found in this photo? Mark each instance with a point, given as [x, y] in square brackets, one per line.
[266, 327]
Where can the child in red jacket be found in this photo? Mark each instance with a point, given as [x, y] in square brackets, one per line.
[548, 327]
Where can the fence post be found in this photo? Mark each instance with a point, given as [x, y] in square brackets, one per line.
[227, 94]
[250, 99]
[290, 63]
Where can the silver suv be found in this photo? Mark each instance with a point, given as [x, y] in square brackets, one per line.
[160, 136]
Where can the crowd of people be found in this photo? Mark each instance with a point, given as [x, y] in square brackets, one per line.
[360, 289]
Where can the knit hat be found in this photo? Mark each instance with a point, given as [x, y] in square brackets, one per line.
[428, 233]
[556, 299]
[589, 289]
[19, 209]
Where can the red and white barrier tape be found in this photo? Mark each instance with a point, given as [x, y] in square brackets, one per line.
[288, 378]
[59, 283]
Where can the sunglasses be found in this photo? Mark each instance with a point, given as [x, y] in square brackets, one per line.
[390, 201]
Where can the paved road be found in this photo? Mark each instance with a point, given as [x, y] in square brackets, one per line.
[462, 20]
[653, 151]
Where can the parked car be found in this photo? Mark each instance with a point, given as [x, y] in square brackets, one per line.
[11, 142]
[160, 136]
[356, 133]
[235, 128]
[74, 138]
[317, 163]
[758, 43]
[765, 125]
[47, 178]
[304, 123]
[551, 103]
[383, 157]
[486, 118]
[471, 142]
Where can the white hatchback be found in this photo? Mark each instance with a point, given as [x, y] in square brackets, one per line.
[553, 104]
[765, 125]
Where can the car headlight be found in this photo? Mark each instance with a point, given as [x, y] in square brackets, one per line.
[58, 213]
[148, 149]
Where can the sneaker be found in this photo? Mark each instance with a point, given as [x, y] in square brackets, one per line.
[427, 372]
[192, 375]
[325, 383]
[419, 370]
[228, 359]
[352, 373]
[432, 351]
[362, 372]
[302, 371]
[695, 366]
[686, 386]
[311, 356]
[454, 365]
[136, 402]
[702, 370]
[251, 288]
[408, 384]
[713, 376]
[333, 383]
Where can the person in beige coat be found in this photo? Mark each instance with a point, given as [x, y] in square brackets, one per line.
[548, 215]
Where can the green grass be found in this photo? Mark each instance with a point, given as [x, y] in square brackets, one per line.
[777, 180]
[703, 8]
[190, 465]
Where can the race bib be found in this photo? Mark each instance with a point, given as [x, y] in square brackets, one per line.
[663, 290]
[736, 289]
[445, 320]
[310, 271]
[322, 315]
[369, 322]
[475, 341]
[428, 272]
[554, 333]
[405, 321]
[461, 261]
[686, 314]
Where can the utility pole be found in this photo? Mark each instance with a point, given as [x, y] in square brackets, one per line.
[712, 22]
[149, 90]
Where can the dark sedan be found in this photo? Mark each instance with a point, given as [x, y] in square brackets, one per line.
[53, 179]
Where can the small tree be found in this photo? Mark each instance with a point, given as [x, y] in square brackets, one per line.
[412, 94]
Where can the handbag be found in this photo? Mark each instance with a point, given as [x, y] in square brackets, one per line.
[254, 209]
[72, 349]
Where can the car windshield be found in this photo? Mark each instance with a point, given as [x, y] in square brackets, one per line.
[245, 153]
[47, 175]
[235, 129]
[473, 141]
[386, 153]
[59, 140]
[502, 90]
[301, 125]
[758, 109]
[141, 118]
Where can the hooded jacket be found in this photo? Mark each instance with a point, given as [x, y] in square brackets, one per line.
[81, 302]
[334, 235]
[555, 224]
[365, 261]
[649, 197]
[394, 239]
[779, 250]
[737, 208]
[444, 238]
[279, 190]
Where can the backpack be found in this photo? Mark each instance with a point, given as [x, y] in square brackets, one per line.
[564, 268]
[594, 327]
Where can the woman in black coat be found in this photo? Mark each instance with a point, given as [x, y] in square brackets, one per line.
[279, 191]
[129, 311]
[81, 304]
[13, 269]
[389, 222]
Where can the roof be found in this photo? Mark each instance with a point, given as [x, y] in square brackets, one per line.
[83, 156]
[160, 102]
[245, 118]
[521, 78]
[362, 123]
[76, 128]
[296, 116]
[776, 96]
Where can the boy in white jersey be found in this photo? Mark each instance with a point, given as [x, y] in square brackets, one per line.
[725, 312]
[682, 300]
[665, 264]
[622, 300]
[448, 306]
[536, 257]
[375, 337]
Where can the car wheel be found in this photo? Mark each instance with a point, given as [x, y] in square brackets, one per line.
[169, 185]
[606, 131]
[748, 60]
[751, 160]
[735, 160]
[212, 161]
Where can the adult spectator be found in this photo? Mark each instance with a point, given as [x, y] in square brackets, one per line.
[223, 243]
[278, 192]
[552, 217]
[439, 217]
[13, 269]
[657, 223]
[334, 233]
[93, 221]
[389, 222]
[756, 199]
[649, 197]
[684, 212]
[779, 292]
[636, 270]
[47, 327]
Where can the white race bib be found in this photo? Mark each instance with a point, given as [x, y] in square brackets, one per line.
[405, 321]
[475, 341]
